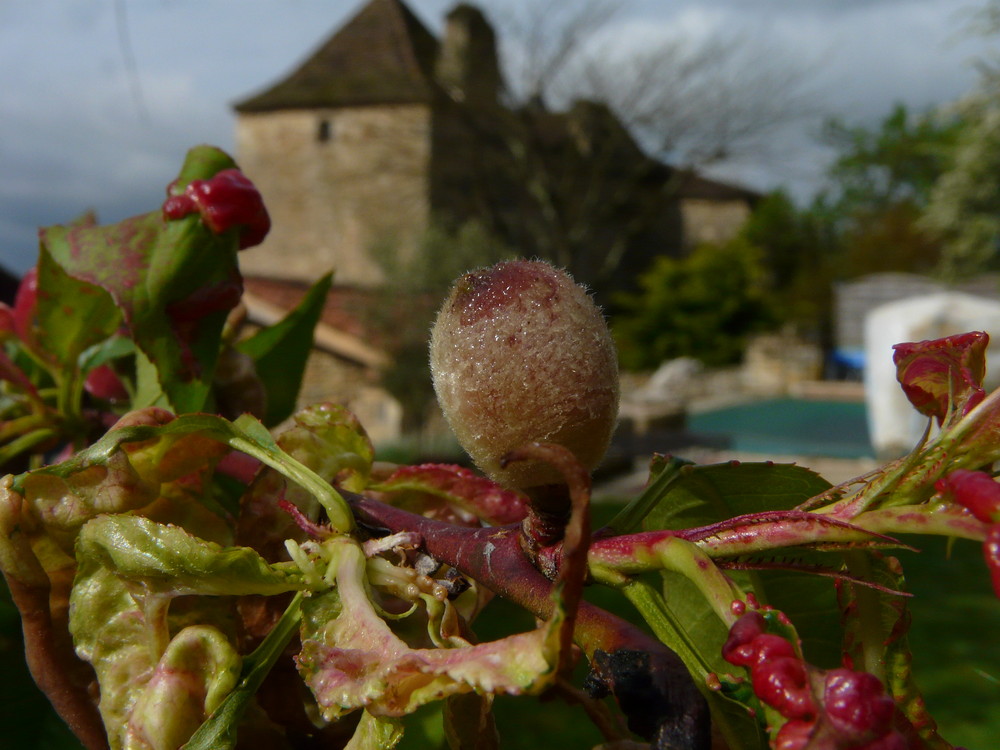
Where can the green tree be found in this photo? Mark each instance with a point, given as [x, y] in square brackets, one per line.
[881, 185]
[897, 162]
[964, 210]
[704, 306]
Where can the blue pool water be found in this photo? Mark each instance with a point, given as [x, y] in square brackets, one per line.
[790, 426]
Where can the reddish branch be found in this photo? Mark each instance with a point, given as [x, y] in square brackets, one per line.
[648, 679]
[54, 665]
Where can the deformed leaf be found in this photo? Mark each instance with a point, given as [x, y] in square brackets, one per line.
[219, 730]
[121, 472]
[167, 560]
[330, 440]
[195, 673]
[156, 691]
[62, 501]
[355, 660]
[943, 375]
[471, 492]
[113, 633]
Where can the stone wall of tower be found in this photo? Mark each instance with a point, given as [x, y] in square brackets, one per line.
[337, 182]
[467, 66]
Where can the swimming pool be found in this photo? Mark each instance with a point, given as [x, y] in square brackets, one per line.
[789, 426]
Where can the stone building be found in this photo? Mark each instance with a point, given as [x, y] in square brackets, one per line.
[384, 130]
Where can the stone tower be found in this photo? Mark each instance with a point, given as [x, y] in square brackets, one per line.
[467, 67]
[341, 148]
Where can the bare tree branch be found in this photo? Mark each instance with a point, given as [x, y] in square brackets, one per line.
[541, 40]
[699, 104]
[690, 103]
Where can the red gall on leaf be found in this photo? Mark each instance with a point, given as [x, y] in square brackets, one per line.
[225, 201]
[975, 490]
[943, 373]
[783, 684]
[856, 703]
[978, 492]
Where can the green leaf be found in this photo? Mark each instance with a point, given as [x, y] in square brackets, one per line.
[200, 163]
[716, 492]
[112, 348]
[281, 350]
[72, 315]
[664, 473]
[173, 281]
[708, 494]
[256, 432]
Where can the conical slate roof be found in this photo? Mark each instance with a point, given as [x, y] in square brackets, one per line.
[383, 55]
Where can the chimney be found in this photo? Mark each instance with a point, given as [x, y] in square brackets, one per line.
[467, 66]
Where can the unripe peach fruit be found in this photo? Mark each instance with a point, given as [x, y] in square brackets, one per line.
[520, 353]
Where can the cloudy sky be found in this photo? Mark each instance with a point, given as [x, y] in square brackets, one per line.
[99, 99]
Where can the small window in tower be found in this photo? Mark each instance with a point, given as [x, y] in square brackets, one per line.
[325, 131]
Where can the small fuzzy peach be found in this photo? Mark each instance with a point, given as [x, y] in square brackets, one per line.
[519, 354]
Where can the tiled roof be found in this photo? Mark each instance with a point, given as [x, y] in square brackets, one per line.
[383, 55]
[344, 308]
[342, 328]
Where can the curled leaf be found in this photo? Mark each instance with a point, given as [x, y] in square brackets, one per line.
[195, 673]
[482, 497]
[167, 560]
[354, 660]
[172, 282]
[156, 690]
[944, 374]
